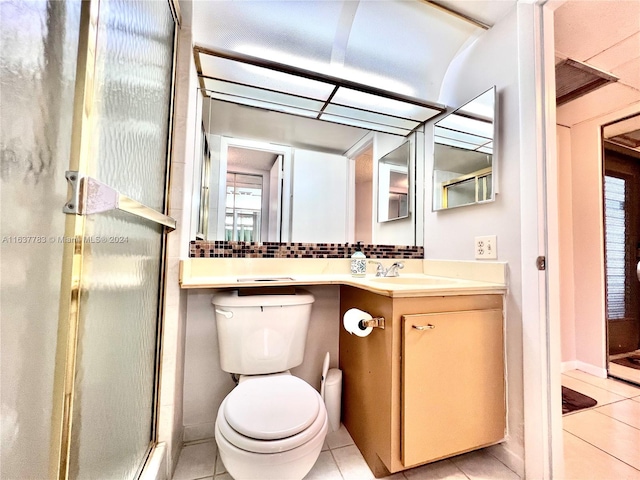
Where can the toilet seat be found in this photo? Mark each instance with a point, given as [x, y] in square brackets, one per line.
[271, 414]
[271, 407]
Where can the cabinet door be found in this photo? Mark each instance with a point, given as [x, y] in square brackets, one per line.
[453, 394]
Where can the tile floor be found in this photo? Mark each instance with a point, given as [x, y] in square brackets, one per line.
[603, 442]
[623, 372]
[340, 459]
[600, 443]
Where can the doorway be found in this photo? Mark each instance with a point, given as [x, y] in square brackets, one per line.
[621, 192]
[253, 182]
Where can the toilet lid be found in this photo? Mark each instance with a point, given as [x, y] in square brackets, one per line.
[318, 428]
[272, 407]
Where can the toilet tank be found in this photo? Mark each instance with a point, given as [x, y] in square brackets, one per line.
[260, 334]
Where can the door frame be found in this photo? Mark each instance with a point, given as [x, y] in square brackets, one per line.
[543, 449]
[631, 154]
[286, 153]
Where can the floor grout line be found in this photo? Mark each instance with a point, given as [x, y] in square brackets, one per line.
[490, 453]
[616, 419]
[598, 386]
[602, 450]
[335, 461]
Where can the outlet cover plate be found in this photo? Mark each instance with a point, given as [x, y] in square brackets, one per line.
[486, 247]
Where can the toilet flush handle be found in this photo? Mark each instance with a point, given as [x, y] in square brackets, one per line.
[226, 313]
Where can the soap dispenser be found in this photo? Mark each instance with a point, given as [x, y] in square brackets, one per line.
[358, 262]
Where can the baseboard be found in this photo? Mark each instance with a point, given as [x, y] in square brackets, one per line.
[591, 369]
[192, 433]
[508, 458]
[156, 466]
[567, 366]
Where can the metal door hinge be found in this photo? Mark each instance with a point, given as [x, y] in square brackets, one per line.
[541, 262]
[90, 196]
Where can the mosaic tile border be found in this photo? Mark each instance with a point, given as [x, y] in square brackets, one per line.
[222, 249]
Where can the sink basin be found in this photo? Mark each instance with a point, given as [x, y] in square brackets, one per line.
[418, 280]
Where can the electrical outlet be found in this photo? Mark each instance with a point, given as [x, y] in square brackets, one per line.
[486, 247]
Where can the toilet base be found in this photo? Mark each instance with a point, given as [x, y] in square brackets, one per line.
[290, 465]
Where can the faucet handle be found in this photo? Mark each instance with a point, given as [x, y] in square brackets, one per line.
[379, 268]
[393, 269]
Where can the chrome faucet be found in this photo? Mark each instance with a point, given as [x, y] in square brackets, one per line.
[392, 271]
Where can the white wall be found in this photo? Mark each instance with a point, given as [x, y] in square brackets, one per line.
[491, 60]
[206, 385]
[170, 423]
[215, 195]
[320, 192]
[364, 198]
[565, 232]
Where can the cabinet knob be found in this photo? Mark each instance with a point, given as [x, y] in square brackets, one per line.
[428, 326]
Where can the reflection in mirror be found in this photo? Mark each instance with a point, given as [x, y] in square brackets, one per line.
[265, 176]
[393, 184]
[243, 212]
[464, 166]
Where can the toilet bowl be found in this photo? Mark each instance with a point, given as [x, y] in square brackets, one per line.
[271, 427]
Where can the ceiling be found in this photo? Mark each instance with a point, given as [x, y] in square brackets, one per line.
[248, 158]
[241, 121]
[375, 43]
[625, 133]
[605, 35]
[399, 46]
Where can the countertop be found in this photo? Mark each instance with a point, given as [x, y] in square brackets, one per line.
[412, 282]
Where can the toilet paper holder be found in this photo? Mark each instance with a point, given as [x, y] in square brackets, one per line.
[376, 322]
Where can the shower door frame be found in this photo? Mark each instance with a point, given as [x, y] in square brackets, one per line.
[73, 254]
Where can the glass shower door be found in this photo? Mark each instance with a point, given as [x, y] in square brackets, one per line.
[86, 88]
[129, 81]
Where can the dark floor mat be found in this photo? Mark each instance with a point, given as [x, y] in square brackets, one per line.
[632, 361]
[572, 401]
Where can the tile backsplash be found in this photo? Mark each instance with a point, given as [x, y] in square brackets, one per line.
[220, 249]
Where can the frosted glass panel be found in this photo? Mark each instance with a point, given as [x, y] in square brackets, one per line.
[272, 99]
[114, 389]
[367, 101]
[38, 48]
[116, 356]
[135, 52]
[216, 67]
[376, 118]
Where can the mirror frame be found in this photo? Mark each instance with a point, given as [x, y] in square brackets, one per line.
[437, 189]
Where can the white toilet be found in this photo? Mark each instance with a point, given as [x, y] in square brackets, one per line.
[272, 425]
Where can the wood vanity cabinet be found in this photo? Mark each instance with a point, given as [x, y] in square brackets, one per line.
[416, 395]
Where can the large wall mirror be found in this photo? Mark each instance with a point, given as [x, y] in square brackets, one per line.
[464, 170]
[265, 176]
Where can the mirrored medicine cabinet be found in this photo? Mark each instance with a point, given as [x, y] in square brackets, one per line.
[393, 184]
[260, 174]
[464, 167]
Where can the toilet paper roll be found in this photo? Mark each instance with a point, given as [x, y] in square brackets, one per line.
[351, 321]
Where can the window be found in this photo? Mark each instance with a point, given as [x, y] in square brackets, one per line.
[615, 222]
[243, 208]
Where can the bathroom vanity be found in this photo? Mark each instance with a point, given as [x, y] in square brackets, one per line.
[430, 384]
